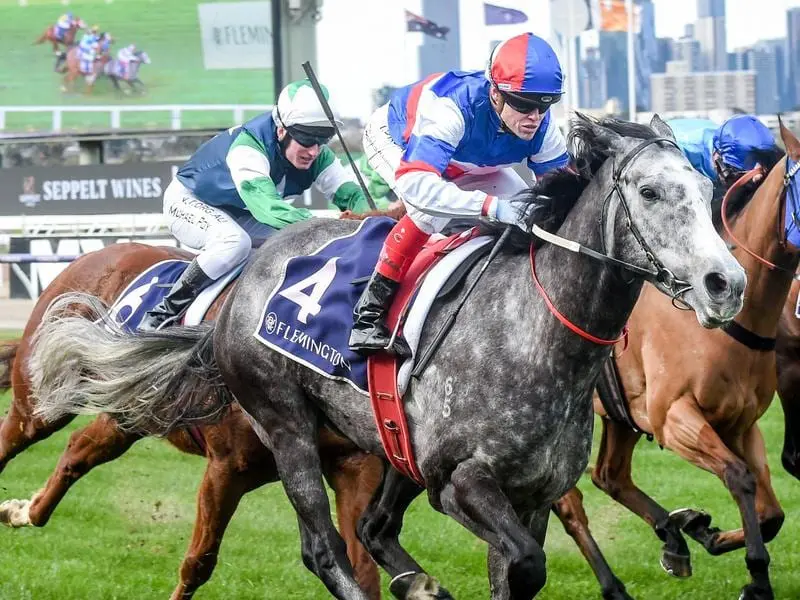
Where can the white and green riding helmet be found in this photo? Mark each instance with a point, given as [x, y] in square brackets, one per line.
[299, 111]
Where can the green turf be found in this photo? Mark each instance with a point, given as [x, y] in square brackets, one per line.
[122, 531]
[167, 30]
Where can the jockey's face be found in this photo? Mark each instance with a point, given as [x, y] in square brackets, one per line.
[299, 156]
[522, 125]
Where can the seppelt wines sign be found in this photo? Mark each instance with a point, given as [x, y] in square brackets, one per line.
[88, 190]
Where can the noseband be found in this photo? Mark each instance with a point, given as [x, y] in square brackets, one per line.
[659, 273]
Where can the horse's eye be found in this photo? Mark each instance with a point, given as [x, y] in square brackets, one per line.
[648, 193]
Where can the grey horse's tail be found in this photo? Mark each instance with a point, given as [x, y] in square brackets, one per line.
[8, 351]
[152, 383]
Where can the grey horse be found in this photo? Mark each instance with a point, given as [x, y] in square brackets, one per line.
[501, 420]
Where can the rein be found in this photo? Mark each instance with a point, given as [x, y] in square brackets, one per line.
[658, 272]
[565, 321]
[743, 180]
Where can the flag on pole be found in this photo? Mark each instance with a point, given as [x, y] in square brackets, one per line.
[500, 15]
[426, 26]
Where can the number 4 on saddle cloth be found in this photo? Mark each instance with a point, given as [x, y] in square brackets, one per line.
[309, 314]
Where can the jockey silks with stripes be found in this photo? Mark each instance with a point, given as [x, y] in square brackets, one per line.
[446, 146]
[229, 196]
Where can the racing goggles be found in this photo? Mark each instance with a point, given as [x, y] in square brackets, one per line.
[310, 136]
[530, 102]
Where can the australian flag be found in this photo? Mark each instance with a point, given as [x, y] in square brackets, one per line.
[426, 26]
[500, 15]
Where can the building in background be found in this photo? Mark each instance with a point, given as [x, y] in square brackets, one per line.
[680, 90]
[766, 59]
[438, 54]
[709, 31]
[792, 72]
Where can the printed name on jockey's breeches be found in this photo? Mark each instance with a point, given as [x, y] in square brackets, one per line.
[199, 205]
[300, 337]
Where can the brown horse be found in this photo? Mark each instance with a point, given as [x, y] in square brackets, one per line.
[237, 460]
[701, 392]
[49, 35]
[788, 361]
[73, 70]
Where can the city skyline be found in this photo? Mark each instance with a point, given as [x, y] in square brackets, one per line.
[745, 27]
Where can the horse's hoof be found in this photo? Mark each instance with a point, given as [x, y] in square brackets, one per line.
[677, 565]
[616, 592]
[689, 520]
[757, 591]
[418, 586]
[63, 88]
[15, 513]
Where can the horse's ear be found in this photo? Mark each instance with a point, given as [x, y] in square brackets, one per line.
[661, 128]
[789, 140]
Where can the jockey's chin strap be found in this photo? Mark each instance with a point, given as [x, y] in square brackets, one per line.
[658, 273]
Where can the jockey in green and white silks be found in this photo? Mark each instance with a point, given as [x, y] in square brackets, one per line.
[230, 195]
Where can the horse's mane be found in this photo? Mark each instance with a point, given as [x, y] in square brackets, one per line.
[553, 195]
[742, 196]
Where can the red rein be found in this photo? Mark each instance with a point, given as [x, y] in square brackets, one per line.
[565, 321]
[744, 179]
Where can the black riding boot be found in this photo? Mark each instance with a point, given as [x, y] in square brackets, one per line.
[174, 304]
[370, 334]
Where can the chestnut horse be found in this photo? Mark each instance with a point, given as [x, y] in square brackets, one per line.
[788, 360]
[237, 460]
[73, 70]
[49, 35]
[701, 392]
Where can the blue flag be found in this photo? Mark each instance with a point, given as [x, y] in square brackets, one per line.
[499, 15]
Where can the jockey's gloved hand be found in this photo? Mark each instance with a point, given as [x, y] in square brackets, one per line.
[512, 213]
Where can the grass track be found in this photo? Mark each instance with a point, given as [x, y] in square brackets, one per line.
[121, 533]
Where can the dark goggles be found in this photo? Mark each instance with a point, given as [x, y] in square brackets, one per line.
[529, 103]
[308, 138]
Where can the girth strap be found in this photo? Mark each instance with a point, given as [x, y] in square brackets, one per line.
[748, 338]
[613, 398]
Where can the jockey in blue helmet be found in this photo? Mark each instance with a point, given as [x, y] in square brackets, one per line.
[446, 145]
[723, 153]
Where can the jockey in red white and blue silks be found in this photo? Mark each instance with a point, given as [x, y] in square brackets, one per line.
[446, 146]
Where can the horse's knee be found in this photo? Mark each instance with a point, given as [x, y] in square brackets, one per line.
[527, 572]
[771, 525]
[739, 479]
[197, 570]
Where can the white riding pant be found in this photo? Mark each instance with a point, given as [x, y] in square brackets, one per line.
[223, 238]
[384, 155]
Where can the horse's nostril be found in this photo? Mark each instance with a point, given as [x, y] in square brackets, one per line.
[716, 285]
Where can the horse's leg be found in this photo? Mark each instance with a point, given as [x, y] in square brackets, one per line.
[569, 509]
[789, 392]
[612, 474]
[224, 483]
[20, 430]
[99, 442]
[688, 434]
[355, 479]
[474, 499]
[290, 426]
[379, 530]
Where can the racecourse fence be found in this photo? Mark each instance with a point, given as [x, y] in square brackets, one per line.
[115, 112]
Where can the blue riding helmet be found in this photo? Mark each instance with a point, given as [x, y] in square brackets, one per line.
[738, 137]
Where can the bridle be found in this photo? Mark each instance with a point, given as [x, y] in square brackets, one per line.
[789, 196]
[659, 273]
